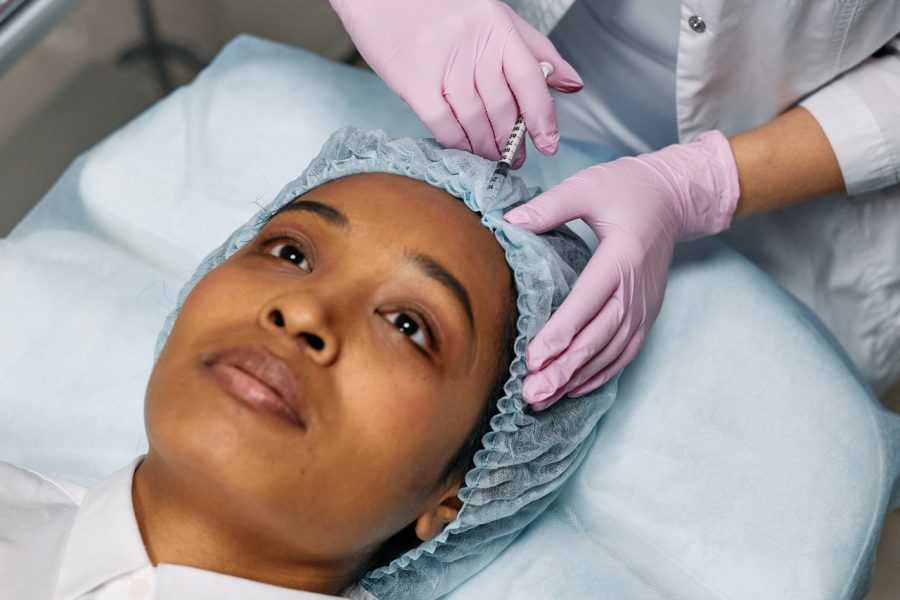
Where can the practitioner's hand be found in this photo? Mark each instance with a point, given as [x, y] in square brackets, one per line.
[465, 67]
[638, 207]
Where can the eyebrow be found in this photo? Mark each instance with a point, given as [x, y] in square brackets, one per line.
[430, 267]
[437, 272]
[329, 214]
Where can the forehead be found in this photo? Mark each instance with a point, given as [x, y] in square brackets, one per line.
[382, 194]
[403, 213]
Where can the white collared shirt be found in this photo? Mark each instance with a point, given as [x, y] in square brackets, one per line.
[62, 542]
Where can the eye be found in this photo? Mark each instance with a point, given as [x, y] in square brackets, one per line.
[290, 253]
[409, 327]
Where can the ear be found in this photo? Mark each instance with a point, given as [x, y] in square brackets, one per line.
[432, 521]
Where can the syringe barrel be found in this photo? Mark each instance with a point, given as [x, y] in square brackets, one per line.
[518, 131]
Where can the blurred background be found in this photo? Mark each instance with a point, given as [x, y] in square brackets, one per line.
[91, 72]
[86, 67]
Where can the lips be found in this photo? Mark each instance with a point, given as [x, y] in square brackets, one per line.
[261, 381]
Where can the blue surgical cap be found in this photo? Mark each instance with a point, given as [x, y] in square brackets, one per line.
[527, 456]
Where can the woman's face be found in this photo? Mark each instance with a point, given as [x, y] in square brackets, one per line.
[322, 378]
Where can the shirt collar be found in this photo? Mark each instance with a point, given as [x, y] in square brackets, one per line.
[105, 541]
[178, 581]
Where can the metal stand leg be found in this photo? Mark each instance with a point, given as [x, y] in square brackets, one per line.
[158, 51]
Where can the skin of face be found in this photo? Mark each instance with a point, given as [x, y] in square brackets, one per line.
[390, 374]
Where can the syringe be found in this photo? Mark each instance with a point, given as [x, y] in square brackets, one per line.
[512, 146]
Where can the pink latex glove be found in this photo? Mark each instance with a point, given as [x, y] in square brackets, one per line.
[465, 67]
[638, 207]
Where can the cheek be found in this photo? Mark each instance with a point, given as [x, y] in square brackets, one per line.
[409, 423]
[393, 448]
[394, 411]
[212, 304]
[206, 307]
[223, 292]
[224, 298]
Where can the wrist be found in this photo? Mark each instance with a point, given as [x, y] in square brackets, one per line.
[339, 5]
[710, 185]
[344, 11]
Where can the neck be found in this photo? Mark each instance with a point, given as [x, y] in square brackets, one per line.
[186, 521]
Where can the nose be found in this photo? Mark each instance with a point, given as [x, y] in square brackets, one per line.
[304, 318]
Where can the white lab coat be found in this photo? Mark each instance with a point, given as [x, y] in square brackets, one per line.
[60, 541]
[739, 64]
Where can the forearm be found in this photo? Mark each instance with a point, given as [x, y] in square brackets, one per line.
[785, 161]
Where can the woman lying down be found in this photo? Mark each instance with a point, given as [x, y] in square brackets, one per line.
[335, 408]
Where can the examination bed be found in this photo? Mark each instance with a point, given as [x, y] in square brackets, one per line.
[742, 458]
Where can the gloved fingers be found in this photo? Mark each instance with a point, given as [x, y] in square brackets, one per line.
[564, 77]
[471, 113]
[602, 359]
[624, 359]
[519, 158]
[590, 294]
[597, 380]
[564, 202]
[497, 98]
[557, 374]
[628, 354]
[523, 73]
[438, 117]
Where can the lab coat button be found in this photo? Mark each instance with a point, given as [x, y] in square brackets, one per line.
[697, 24]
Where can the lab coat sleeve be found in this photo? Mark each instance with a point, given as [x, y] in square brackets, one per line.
[860, 114]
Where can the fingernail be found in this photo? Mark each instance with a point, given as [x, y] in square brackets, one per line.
[539, 361]
[535, 356]
[545, 351]
[518, 217]
[549, 149]
[573, 80]
[549, 143]
[570, 85]
[539, 406]
[535, 390]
